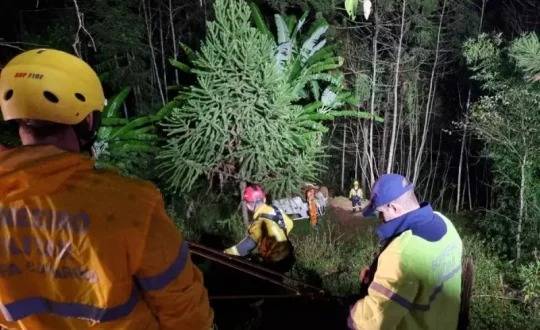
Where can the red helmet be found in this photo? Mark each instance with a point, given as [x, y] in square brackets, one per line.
[254, 194]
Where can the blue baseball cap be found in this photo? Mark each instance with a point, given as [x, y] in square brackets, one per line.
[387, 188]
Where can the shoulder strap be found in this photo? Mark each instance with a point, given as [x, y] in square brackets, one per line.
[277, 218]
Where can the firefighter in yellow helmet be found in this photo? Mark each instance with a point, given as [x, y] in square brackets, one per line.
[268, 232]
[81, 248]
[356, 196]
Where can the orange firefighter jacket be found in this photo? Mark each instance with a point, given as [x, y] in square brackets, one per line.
[82, 248]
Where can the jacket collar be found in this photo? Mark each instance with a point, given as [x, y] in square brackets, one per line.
[405, 222]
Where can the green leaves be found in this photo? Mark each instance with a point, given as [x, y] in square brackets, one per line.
[259, 21]
[526, 52]
[351, 6]
[112, 109]
[238, 121]
[129, 145]
[179, 65]
[283, 34]
[257, 110]
[507, 118]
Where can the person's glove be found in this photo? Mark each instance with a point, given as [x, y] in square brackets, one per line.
[233, 251]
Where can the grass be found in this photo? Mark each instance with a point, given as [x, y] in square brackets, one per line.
[328, 259]
[332, 260]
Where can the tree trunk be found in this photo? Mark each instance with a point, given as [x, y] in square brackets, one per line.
[396, 84]
[173, 36]
[412, 134]
[482, 15]
[382, 143]
[162, 46]
[373, 92]
[343, 157]
[356, 149]
[367, 173]
[430, 93]
[521, 206]
[463, 139]
[468, 182]
[148, 21]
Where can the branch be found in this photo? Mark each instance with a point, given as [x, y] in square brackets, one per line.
[10, 45]
[13, 44]
[80, 18]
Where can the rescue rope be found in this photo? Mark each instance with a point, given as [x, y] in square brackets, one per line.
[260, 272]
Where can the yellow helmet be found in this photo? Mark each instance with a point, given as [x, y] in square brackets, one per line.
[355, 182]
[49, 85]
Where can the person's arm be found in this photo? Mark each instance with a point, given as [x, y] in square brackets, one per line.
[243, 248]
[351, 194]
[390, 296]
[172, 286]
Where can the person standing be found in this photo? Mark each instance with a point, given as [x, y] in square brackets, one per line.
[356, 195]
[415, 281]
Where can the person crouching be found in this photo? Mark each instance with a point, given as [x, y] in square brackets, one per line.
[268, 233]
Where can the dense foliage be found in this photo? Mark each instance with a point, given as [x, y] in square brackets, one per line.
[247, 117]
[129, 145]
[507, 117]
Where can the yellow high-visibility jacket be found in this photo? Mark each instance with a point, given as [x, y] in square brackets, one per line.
[356, 192]
[266, 235]
[417, 284]
[83, 248]
[272, 241]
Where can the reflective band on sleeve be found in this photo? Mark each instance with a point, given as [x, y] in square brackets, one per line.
[25, 307]
[161, 280]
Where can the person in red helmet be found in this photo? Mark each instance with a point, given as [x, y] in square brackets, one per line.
[268, 232]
